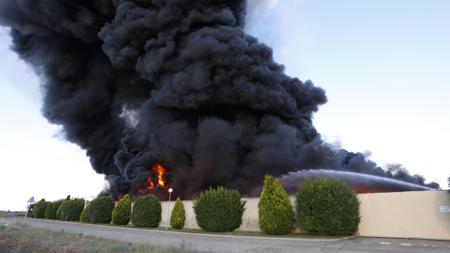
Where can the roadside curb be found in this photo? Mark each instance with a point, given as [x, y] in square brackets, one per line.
[192, 234]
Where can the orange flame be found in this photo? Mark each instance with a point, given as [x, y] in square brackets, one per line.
[160, 172]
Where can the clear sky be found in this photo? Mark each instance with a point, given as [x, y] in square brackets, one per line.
[384, 64]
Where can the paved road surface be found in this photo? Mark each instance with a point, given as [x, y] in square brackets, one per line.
[228, 243]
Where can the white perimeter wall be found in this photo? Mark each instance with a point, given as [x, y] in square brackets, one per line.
[398, 215]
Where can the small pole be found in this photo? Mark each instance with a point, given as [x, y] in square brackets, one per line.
[168, 208]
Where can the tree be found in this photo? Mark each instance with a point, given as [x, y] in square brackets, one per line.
[100, 210]
[178, 215]
[276, 215]
[52, 207]
[70, 209]
[219, 210]
[146, 212]
[84, 216]
[327, 207]
[39, 209]
[122, 211]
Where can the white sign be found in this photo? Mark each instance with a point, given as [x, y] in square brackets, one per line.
[31, 200]
[444, 209]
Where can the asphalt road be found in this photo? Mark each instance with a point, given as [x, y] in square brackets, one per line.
[229, 243]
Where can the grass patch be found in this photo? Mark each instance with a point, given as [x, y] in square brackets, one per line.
[21, 238]
[258, 234]
[238, 233]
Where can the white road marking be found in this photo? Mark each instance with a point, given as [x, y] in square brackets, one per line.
[385, 243]
[406, 244]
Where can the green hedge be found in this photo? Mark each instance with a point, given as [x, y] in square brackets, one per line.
[60, 208]
[178, 215]
[327, 207]
[219, 210]
[276, 215]
[70, 209]
[84, 217]
[100, 210]
[52, 207]
[122, 211]
[146, 212]
[39, 209]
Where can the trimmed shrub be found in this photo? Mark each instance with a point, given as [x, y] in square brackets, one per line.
[122, 211]
[39, 209]
[327, 207]
[276, 215]
[219, 210]
[64, 203]
[70, 209]
[100, 210]
[178, 215]
[84, 216]
[59, 210]
[52, 207]
[146, 212]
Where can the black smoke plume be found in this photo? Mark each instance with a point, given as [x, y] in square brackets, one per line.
[175, 82]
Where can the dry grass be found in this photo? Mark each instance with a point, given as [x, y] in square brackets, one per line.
[11, 213]
[24, 239]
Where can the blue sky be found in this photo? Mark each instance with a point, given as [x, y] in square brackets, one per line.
[384, 64]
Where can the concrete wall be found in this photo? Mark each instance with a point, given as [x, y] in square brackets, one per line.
[189, 223]
[405, 215]
[398, 215]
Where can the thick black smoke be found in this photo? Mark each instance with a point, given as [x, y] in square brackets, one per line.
[176, 82]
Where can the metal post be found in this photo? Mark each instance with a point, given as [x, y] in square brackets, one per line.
[168, 208]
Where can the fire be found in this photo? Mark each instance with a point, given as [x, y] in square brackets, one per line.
[156, 180]
[160, 171]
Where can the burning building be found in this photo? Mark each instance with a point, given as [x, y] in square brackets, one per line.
[172, 93]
